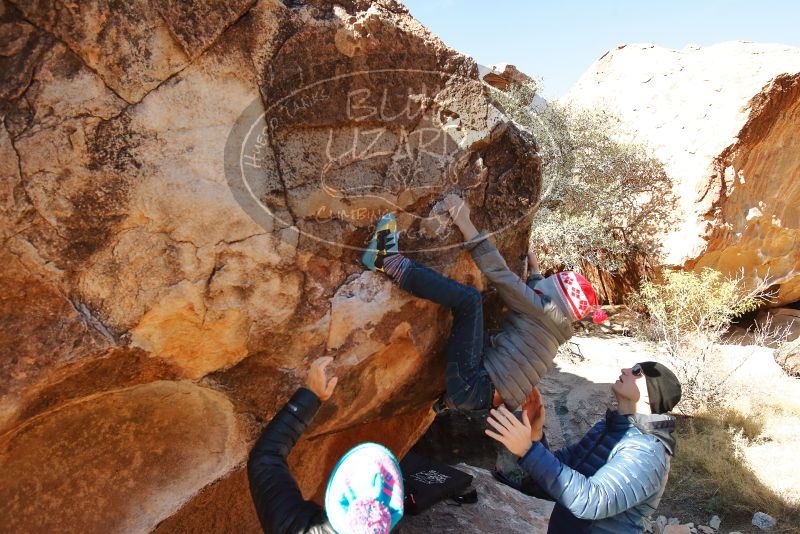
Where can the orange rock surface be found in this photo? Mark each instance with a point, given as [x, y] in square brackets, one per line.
[156, 309]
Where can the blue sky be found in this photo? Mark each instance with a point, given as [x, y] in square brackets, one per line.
[557, 41]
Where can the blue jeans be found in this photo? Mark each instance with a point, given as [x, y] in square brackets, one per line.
[469, 387]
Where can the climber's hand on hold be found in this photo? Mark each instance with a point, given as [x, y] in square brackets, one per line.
[459, 212]
[458, 208]
[533, 262]
[318, 382]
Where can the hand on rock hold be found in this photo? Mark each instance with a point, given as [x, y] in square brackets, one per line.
[318, 382]
[458, 208]
[533, 262]
[459, 212]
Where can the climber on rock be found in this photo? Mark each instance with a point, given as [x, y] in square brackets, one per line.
[539, 318]
[612, 479]
[365, 490]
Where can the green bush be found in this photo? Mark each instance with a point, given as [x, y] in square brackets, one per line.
[602, 198]
[688, 302]
[688, 313]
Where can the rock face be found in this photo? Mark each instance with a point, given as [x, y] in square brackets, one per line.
[724, 120]
[503, 75]
[185, 193]
[149, 432]
[499, 509]
[788, 357]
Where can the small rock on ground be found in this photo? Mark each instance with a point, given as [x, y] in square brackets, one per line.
[764, 521]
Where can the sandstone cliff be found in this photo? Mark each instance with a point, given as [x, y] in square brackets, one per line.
[185, 192]
[725, 121]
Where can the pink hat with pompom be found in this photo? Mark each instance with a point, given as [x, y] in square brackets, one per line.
[573, 294]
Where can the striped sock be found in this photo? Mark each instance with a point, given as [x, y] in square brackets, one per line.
[396, 266]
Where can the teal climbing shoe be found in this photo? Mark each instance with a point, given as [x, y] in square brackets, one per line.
[384, 243]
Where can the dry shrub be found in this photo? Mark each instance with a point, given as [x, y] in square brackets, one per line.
[765, 333]
[604, 195]
[709, 475]
[745, 425]
[687, 314]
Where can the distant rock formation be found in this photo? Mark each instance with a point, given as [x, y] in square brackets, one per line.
[186, 188]
[504, 76]
[725, 120]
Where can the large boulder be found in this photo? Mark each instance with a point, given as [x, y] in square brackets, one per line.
[724, 120]
[186, 190]
[788, 357]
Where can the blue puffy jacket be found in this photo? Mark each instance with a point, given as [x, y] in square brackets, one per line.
[609, 481]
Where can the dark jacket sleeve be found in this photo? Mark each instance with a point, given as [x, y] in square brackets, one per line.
[635, 472]
[280, 505]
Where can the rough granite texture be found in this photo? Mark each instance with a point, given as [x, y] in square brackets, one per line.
[149, 322]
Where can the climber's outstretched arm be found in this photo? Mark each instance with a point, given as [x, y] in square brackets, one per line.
[280, 505]
[512, 289]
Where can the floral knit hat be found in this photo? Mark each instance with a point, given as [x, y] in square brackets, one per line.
[365, 491]
[573, 294]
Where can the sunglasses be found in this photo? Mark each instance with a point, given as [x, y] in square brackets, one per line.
[637, 371]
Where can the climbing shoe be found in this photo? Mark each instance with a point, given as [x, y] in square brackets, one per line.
[384, 243]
